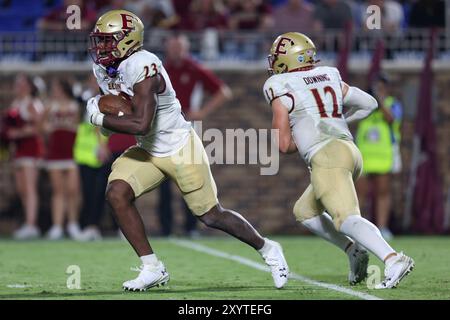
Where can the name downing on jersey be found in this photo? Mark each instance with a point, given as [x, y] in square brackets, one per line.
[315, 79]
[235, 146]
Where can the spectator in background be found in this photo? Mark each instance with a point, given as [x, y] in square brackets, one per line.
[116, 5]
[188, 77]
[99, 4]
[294, 15]
[427, 14]
[161, 13]
[378, 139]
[56, 20]
[182, 9]
[91, 154]
[154, 13]
[113, 5]
[181, 6]
[24, 133]
[117, 144]
[277, 3]
[391, 15]
[332, 14]
[60, 123]
[249, 15]
[95, 154]
[204, 14]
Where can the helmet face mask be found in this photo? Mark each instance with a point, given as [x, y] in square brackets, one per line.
[103, 48]
[117, 34]
[275, 66]
[271, 58]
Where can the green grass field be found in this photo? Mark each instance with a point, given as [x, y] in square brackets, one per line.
[37, 270]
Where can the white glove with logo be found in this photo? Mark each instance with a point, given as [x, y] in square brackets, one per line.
[93, 112]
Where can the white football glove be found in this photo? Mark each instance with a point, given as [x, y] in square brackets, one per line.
[93, 112]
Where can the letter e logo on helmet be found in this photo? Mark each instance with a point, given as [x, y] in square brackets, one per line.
[281, 46]
[127, 21]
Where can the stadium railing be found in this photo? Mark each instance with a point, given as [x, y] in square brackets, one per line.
[222, 50]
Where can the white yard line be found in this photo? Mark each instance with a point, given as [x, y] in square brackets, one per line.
[18, 286]
[259, 266]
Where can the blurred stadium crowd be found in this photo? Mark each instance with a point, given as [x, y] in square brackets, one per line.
[195, 15]
[219, 29]
[43, 125]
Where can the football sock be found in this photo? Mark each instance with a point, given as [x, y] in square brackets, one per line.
[266, 247]
[149, 259]
[367, 234]
[322, 225]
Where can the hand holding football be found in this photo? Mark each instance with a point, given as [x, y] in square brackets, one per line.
[115, 105]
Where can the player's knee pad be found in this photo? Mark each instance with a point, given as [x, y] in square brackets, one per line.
[303, 211]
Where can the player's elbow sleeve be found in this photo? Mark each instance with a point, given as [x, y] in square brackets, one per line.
[373, 103]
[355, 97]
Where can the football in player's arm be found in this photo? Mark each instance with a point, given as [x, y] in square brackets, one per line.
[144, 104]
[163, 137]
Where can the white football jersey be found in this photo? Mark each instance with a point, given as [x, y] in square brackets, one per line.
[169, 131]
[314, 101]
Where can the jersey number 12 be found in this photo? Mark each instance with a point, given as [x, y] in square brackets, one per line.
[321, 106]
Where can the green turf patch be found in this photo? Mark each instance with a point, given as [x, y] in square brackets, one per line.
[37, 270]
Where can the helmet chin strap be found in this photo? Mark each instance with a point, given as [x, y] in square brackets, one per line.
[110, 70]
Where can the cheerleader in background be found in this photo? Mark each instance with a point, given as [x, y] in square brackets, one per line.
[23, 132]
[61, 120]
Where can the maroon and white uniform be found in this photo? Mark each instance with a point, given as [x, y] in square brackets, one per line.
[30, 149]
[63, 123]
[169, 131]
[314, 100]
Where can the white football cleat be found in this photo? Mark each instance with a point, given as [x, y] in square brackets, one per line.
[358, 259]
[274, 258]
[396, 269]
[149, 276]
[26, 232]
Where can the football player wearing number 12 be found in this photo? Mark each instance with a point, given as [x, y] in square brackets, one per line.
[163, 138]
[307, 103]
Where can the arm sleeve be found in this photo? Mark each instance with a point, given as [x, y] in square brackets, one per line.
[360, 104]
